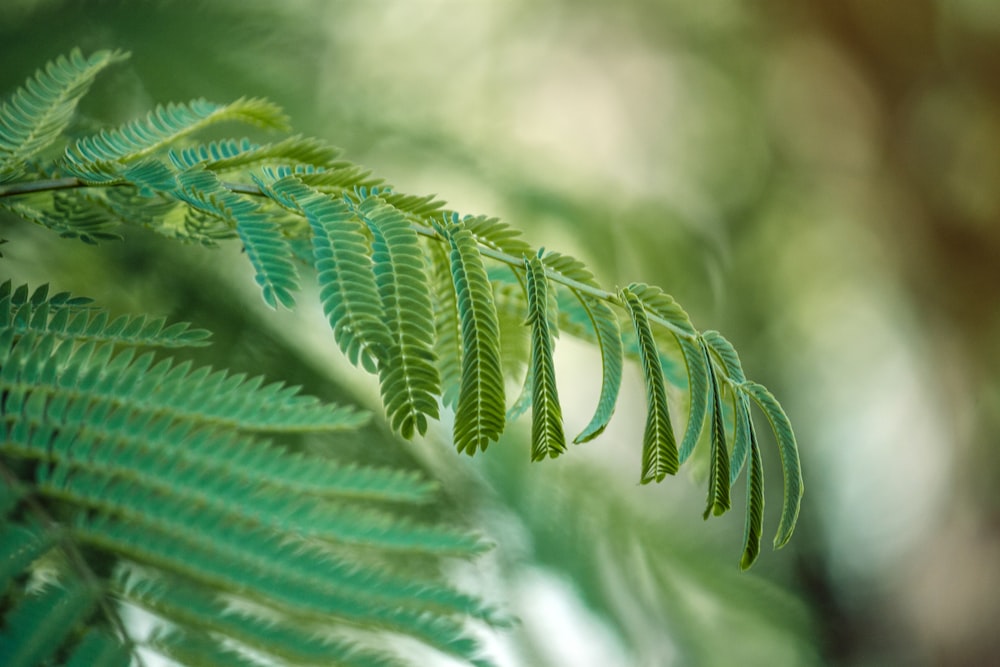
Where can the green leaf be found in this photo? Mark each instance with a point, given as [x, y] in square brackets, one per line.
[447, 332]
[20, 545]
[192, 606]
[718, 478]
[659, 447]
[242, 154]
[608, 337]
[755, 496]
[497, 235]
[166, 124]
[34, 630]
[479, 417]
[37, 113]
[86, 325]
[609, 340]
[663, 306]
[741, 435]
[344, 267]
[99, 649]
[547, 437]
[790, 468]
[718, 344]
[409, 379]
[267, 250]
[699, 393]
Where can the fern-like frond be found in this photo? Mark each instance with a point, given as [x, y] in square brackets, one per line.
[35, 629]
[657, 302]
[753, 529]
[659, 446]
[151, 463]
[43, 315]
[547, 437]
[607, 335]
[725, 351]
[98, 648]
[37, 113]
[20, 545]
[344, 268]
[128, 385]
[447, 334]
[242, 154]
[718, 475]
[479, 417]
[699, 393]
[165, 125]
[186, 605]
[292, 576]
[267, 250]
[791, 469]
[409, 379]
[496, 234]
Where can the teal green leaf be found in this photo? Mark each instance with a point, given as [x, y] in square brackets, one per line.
[410, 384]
[339, 178]
[479, 417]
[165, 125]
[37, 113]
[344, 267]
[741, 434]
[35, 629]
[418, 206]
[607, 335]
[267, 250]
[125, 384]
[662, 305]
[88, 225]
[189, 646]
[547, 437]
[448, 335]
[99, 649]
[699, 393]
[718, 476]
[753, 529]
[718, 344]
[496, 235]
[243, 154]
[790, 467]
[20, 545]
[80, 325]
[605, 324]
[176, 600]
[659, 446]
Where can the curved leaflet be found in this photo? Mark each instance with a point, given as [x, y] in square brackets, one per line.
[479, 417]
[547, 437]
[659, 447]
[409, 379]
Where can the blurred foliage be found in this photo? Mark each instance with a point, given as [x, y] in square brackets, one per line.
[817, 180]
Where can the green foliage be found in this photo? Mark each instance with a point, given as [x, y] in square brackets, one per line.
[137, 480]
[36, 114]
[659, 446]
[160, 466]
[479, 415]
[547, 438]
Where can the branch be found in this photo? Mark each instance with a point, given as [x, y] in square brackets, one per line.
[71, 182]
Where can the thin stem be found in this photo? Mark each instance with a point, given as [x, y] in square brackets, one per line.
[45, 185]
[71, 182]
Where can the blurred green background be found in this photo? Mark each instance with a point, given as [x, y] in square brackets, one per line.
[820, 181]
